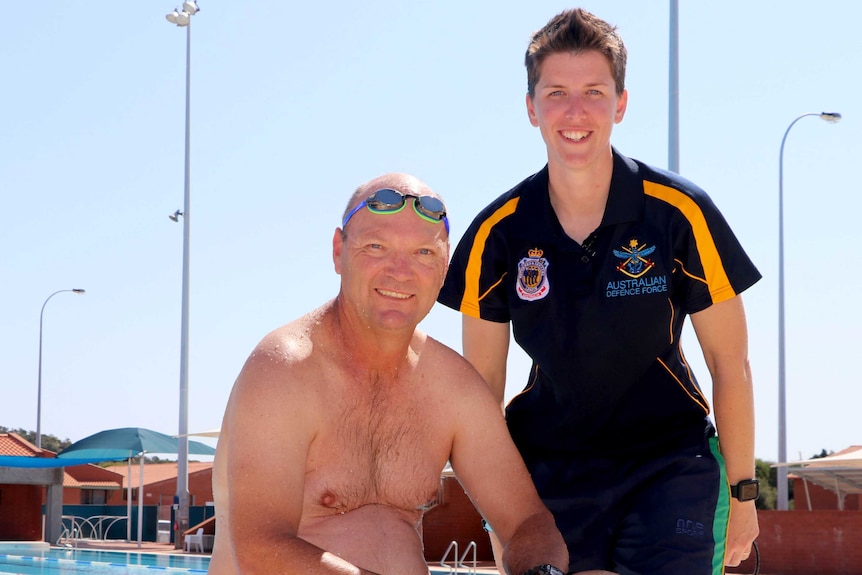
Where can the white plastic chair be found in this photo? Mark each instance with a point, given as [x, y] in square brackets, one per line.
[197, 539]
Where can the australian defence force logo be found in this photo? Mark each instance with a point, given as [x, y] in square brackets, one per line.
[532, 283]
[634, 264]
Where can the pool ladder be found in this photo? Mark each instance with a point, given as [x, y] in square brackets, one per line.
[459, 560]
[69, 537]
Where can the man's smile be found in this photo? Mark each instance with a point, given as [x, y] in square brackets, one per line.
[574, 135]
[394, 294]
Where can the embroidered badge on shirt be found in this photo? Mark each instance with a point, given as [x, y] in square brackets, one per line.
[532, 282]
[635, 263]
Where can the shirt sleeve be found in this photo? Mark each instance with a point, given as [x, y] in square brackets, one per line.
[713, 265]
[476, 282]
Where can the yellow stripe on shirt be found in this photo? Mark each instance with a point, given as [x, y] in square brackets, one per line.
[713, 268]
[471, 299]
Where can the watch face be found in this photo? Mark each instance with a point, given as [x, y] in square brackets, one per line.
[544, 570]
[749, 491]
[746, 490]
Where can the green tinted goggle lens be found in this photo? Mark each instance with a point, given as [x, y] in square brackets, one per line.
[389, 201]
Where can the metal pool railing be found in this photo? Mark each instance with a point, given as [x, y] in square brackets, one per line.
[95, 527]
[459, 559]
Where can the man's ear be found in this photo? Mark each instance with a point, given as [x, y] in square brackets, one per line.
[531, 111]
[622, 104]
[337, 247]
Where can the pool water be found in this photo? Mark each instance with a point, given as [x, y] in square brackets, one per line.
[55, 561]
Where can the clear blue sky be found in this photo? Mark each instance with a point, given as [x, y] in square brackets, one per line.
[294, 104]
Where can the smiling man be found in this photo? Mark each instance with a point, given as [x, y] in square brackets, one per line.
[596, 261]
[340, 422]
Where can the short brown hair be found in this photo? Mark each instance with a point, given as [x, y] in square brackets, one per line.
[576, 31]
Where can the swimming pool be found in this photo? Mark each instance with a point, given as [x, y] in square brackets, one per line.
[23, 560]
[40, 559]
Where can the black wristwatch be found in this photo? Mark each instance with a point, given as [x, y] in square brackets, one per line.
[544, 570]
[746, 490]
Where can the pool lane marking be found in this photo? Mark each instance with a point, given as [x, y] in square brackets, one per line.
[80, 562]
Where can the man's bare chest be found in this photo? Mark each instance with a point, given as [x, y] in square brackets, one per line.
[377, 454]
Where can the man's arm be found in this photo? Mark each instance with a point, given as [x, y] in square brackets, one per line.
[486, 346]
[493, 474]
[271, 423]
[722, 334]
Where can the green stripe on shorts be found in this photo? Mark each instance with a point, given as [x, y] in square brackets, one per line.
[722, 512]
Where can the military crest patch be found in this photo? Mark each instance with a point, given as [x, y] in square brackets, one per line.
[532, 282]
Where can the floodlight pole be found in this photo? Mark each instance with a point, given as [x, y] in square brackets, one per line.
[183, 19]
[673, 89]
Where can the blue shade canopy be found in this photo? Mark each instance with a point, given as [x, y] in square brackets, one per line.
[48, 462]
[126, 442]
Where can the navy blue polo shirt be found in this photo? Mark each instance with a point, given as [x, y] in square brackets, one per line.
[601, 321]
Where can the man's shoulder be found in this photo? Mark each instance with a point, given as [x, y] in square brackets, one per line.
[449, 366]
[293, 340]
[286, 351]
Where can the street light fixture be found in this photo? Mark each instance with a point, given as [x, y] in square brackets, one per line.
[39, 385]
[183, 19]
[782, 504]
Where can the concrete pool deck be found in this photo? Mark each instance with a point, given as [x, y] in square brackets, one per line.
[482, 567]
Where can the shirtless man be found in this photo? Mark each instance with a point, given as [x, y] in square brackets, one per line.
[341, 421]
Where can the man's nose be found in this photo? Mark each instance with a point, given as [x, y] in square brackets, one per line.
[576, 108]
[398, 265]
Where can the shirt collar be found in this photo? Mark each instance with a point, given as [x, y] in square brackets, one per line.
[626, 197]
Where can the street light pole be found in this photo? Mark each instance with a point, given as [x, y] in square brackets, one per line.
[782, 503]
[39, 385]
[183, 19]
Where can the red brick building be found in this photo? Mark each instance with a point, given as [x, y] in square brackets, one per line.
[833, 482]
[23, 491]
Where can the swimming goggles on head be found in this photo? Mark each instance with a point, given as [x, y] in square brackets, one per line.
[389, 201]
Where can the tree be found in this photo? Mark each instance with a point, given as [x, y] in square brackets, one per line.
[49, 442]
[768, 477]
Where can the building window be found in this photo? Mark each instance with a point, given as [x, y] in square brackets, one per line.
[94, 497]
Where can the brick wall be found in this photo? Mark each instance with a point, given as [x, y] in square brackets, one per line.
[821, 498]
[799, 542]
[454, 520]
[809, 543]
[20, 512]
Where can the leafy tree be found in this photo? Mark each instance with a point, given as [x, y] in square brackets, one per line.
[768, 477]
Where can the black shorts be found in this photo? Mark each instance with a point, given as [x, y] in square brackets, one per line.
[657, 515]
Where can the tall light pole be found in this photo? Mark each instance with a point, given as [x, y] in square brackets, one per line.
[39, 385]
[673, 89]
[831, 117]
[183, 19]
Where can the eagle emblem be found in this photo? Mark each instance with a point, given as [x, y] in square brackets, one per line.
[635, 261]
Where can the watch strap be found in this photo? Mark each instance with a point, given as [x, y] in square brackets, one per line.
[546, 569]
